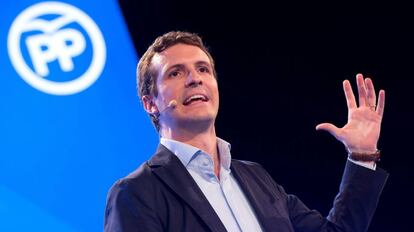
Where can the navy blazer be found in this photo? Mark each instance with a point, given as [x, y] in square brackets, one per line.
[162, 196]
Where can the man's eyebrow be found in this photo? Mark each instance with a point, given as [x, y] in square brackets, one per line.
[203, 63]
[180, 66]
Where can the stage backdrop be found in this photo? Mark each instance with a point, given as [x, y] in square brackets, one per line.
[70, 121]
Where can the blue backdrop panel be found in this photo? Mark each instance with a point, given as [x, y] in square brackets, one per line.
[70, 120]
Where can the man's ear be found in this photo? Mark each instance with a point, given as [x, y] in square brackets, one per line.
[149, 105]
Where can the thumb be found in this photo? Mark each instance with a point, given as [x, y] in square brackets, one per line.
[328, 127]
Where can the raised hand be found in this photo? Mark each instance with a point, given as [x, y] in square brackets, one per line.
[362, 131]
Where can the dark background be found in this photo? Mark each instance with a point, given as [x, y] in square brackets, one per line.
[280, 69]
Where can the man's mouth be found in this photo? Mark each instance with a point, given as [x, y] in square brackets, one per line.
[195, 98]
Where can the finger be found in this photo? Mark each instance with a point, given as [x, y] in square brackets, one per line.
[349, 95]
[362, 96]
[371, 95]
[329, 127]
[381, 103]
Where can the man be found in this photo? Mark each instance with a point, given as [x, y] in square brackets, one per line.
[192, 184]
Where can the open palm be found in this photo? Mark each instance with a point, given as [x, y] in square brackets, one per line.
[362, 131]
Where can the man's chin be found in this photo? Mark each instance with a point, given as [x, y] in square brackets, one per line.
[197, 121]
[200, 119]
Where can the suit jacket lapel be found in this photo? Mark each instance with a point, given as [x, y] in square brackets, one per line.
[172, 172]
[266, 204]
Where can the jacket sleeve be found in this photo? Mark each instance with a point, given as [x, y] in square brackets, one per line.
[126, 212]
[353, 206]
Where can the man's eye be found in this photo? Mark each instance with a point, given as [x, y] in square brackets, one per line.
[204, 69]
[174, 74]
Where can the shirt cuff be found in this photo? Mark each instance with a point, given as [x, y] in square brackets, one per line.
[371, 165]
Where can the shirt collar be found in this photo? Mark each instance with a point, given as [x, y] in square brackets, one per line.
[186, 152]
[224, 152]
[183, 151]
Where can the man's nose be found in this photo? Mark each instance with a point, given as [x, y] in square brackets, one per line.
[193, 79]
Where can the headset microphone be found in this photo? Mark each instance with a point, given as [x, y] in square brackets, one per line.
[171, 105]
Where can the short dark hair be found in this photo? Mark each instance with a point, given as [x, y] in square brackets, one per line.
[147, 76]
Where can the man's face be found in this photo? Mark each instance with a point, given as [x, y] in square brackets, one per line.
[185, 74]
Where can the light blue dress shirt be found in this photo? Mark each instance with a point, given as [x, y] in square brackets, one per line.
[224, 194]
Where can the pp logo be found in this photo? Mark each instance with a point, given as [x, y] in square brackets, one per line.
[49, 36]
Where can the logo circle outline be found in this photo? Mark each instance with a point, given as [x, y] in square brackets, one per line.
[74, 86]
